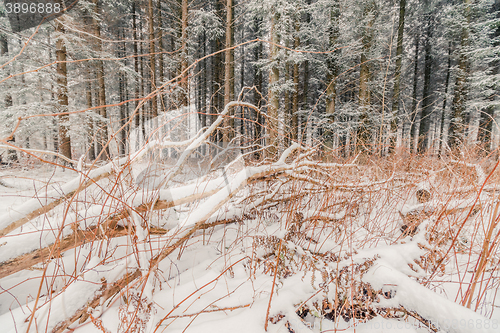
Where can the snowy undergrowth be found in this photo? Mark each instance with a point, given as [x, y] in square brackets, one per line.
[282, 247]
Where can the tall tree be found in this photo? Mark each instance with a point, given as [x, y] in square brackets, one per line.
[161, 62]
[102, 140]
[295, 95]
[274, 76]
[457, 130]
[426, 119]
[331, 91]
[62, 92]
[4, 50]
[228, 132]
[135, 49]
[445, 116]
[184, 52]
[485, 136]
[396, 117]
[364, 130]
[415, 116]
[152, 58]
[258, 84]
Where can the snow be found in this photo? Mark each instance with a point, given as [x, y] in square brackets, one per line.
[219, 280]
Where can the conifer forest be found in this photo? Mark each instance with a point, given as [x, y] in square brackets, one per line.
[252, 166]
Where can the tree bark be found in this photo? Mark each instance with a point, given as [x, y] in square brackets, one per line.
[122, 83]
[457, 126]
[414, 110]
[364, 135]
[426, 118]
[161, 63]
[203, 90]
[445, 119]
[103, 130]
[487, 116]
[62, 93]
[243, 123]
[90, 121]
[396, 116]
[258, 84]
[295, 96]
[331, 91]
[184, 59]
[228, 131]
[272, 110]
[152, 58]
[4, 49]
[136, 67]
[286, 104]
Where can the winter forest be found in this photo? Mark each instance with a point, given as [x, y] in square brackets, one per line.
[250, 166]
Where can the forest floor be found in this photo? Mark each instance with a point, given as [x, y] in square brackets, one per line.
[296, 245]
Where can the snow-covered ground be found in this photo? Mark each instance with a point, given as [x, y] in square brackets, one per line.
[292, 246]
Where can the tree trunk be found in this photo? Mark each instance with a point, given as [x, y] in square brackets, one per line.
[103, 130]
[204, 74]
[161, 63]
[486, 136]
[216, 86]
[457, 130]
[136, 67]
[272, 110]
[426, 117]
[331, 91]
[243, 123]
[305, 91]
[295, 96]
[122, 90]
[142, 88]
[286, 109]
[257, 97]
[414, 109]
[396, 116]
[303, 121]
[184, 59]
[4, 49]
[62, 94]
[152, 58]
[90, 121]
[228, 132]
[364, 135]
[445, 119]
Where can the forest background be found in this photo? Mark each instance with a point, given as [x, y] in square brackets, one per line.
[312, 162]
[348, 76]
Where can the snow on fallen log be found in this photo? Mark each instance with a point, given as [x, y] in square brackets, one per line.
[51, 199]
[449, 207]
[17, 254]
[42, 204]
[436, 309]
[16, 258]
[194, 222]
[391, 274]
[69, 300]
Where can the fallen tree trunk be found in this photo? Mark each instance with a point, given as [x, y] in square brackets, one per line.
[208, 208]
[121, 285]
[34, 207]
[93, 233]
[37, 206]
